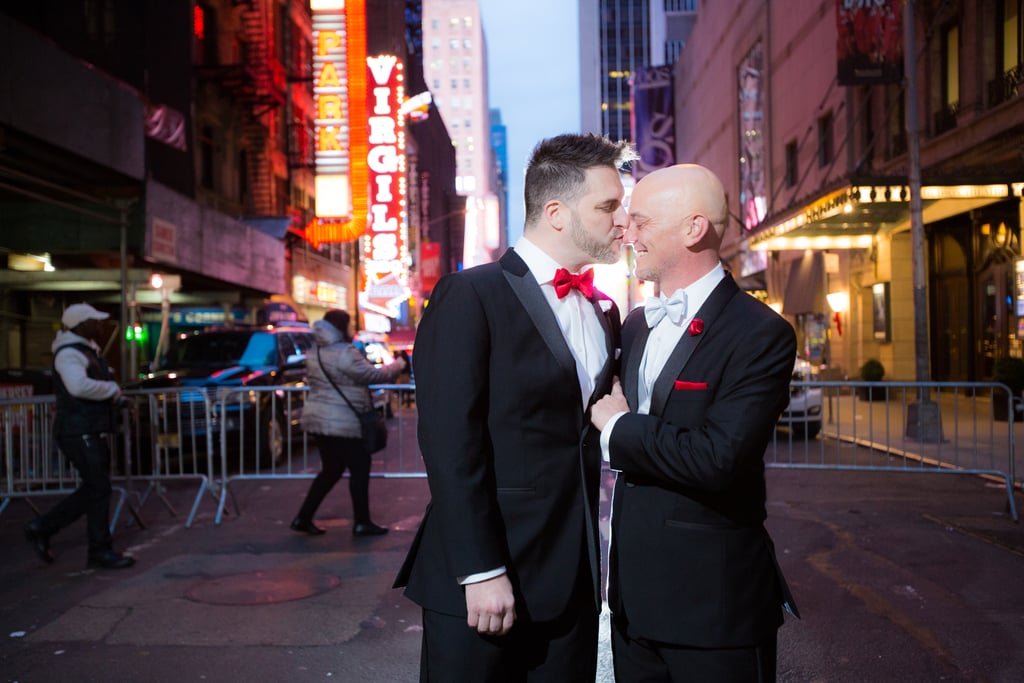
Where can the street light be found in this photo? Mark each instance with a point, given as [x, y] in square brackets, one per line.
[839, 302]
[165, 284]
[924, 421]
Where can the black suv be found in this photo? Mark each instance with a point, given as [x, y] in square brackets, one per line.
[223, 364]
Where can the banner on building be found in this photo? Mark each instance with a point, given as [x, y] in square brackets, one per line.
[166, 124]
[430, 266]
[869, 49]
[654, 129]
[751, 112]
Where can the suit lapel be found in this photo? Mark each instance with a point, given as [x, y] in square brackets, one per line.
[631, 373]
[527, 290]
[712, 307]
[603, 377]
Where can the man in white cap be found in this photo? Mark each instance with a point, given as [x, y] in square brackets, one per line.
[87, 397]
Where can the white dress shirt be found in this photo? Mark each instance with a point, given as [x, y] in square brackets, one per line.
[576, 318]
[661, 342]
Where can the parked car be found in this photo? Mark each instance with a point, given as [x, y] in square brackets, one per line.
[222, 364]
[803, 414]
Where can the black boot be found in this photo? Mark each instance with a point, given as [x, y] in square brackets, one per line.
[306, 526]
[368, 529]
[108, 559]
[40, 540]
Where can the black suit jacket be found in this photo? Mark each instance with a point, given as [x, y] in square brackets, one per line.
[512, 460]
[691, 562]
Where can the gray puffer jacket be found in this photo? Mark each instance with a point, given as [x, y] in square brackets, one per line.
[325, 411]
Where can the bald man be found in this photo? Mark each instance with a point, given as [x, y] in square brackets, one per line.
[694, 588]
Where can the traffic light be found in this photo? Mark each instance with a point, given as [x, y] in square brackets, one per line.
[137, 333]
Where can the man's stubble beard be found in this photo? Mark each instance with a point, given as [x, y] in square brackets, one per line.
[597, 252]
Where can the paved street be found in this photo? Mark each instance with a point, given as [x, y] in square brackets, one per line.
[900, 577]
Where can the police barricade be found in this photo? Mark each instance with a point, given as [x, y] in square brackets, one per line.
[31, 463]
[933, 427]
[170, 435]
[262, 438]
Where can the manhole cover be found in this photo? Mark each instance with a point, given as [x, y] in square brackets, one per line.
[262, 588]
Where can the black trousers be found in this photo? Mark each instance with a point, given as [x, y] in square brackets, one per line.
[638, 660]
[91, 457]
[336, 454]
[559, 651]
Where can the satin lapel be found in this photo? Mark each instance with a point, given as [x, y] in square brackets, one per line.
[631, 373]
[711, 309]
[602, 376]
[532, 298]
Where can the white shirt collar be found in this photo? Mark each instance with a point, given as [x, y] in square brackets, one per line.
[540, 264]
[698, 292]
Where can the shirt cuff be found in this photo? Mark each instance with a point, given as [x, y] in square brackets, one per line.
[480, 576]
[606, 436]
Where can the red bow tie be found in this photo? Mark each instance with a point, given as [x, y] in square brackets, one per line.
[564, 281]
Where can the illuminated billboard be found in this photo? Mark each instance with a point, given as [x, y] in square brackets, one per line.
[339, 92]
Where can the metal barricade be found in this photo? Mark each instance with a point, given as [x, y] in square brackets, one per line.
[212, 436]
[171, 436]
[261, 438]
[220, 436]
[402, 456]
[32, 464]
[934, 427]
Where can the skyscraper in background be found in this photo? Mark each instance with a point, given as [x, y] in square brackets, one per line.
[625, 33]
[616, 38]
[455, 69]
[499, 147]
[670, 28]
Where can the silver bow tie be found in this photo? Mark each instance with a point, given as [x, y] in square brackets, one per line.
[657, 308]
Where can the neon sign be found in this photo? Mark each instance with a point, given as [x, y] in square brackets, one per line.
[330, 95]
[339, 92]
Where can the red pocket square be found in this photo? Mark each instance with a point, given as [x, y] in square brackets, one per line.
[689, 386]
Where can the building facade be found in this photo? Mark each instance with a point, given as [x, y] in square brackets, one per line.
[455, 69]
[180, 139]
[818, 172]
[139, 162]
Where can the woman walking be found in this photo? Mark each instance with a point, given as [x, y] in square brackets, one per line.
[337, 366]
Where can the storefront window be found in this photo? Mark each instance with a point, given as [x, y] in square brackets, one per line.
[812, 337]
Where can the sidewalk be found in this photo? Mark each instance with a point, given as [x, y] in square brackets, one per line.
[899, 577]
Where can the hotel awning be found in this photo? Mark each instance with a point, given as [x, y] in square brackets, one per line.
[851, 216]
[804, 288]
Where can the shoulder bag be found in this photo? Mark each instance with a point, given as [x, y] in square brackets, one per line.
[372, 424]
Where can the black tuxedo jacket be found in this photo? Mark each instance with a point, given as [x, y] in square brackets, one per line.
[512, 460]
[691, 562]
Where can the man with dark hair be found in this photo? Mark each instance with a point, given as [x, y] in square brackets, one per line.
[509, 357]
[87, 396]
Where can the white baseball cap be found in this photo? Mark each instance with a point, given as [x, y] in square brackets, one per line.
[76, 314]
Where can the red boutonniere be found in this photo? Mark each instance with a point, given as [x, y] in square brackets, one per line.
[696, 327]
